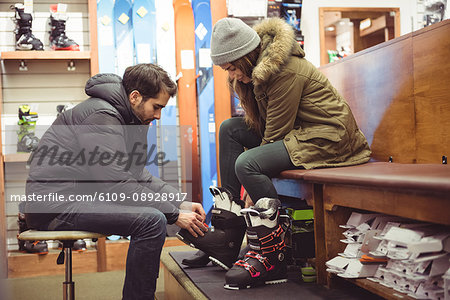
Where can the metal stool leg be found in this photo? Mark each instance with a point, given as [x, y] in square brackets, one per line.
[68, 284]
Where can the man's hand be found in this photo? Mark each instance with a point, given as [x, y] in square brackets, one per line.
[191, 218]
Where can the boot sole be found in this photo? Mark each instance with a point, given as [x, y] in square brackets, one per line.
[212, 259]
[185, 241]
[219, 263]
[243, 287]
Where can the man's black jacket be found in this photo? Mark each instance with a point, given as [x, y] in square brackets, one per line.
[87, 151]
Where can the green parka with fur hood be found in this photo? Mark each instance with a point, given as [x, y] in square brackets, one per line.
[300, 106]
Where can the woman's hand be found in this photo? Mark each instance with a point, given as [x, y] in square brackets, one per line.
[191, 218]
[248, 201]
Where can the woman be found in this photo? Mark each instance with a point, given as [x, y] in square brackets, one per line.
[294, 118]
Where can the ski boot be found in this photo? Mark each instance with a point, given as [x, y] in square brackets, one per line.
[36, 247]
[265, 263]
[199, 260]
[223, 240]
[22, 227]
[63, 107]
[78, 245]
[25, 40]
[26, 140]
[58, 37]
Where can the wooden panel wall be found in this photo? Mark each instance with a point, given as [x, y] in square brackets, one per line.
[3, 256]
[431, 52]
[399, 94]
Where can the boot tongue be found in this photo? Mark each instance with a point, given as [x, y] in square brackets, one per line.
[267, 207]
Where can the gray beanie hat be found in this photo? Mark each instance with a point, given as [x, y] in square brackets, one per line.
[232, 39]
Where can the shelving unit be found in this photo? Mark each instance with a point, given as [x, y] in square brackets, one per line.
[66, 72]
[16, 157]
[21, 55]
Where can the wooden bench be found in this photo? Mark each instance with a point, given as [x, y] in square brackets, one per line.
[399, 92]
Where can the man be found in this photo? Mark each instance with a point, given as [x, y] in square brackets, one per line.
[88, 173]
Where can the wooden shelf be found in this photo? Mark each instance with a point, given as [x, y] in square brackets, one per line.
[19, 55]
[380, 290]
[16, 157]
[377, 24]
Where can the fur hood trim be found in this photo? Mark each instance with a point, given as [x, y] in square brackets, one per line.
[277, 42]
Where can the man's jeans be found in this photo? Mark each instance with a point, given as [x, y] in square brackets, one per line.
[147, 228]
[253, 168]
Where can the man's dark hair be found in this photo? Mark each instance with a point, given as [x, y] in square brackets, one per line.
[149, 80]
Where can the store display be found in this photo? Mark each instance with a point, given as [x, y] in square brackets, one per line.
[435, 11]
[291, 11]
[222, 242]
[123, 32]
[106, 48]
[265, 263]
[407, 256]
[273, 8]
[27, 141]
[205, 95]
[25, 40]
[58, 37]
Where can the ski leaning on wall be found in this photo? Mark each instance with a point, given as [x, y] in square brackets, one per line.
[123, 31]
[187, 102]
[106, 48]
[144, 34]
[165, 52]
[205, 95]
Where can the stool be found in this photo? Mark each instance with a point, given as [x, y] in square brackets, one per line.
[68, 238]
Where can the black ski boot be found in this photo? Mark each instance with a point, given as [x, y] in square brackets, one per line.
[36, 247]
[25, 40]
[223, 240]
[198, 260]
[78, 245]
[22, 227]
[58, 37]
[27, 141]
[265, 262]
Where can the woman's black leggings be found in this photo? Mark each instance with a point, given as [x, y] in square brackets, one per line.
[252, 168]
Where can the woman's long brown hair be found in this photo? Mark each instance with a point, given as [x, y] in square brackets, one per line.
[244, 91]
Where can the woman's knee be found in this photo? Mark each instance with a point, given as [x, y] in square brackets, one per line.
[228, 125]
[244, 164]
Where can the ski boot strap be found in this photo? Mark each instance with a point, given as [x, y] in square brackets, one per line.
[262, 259]
[251, 269]
[273, 248]
[257, 243]
[270, 237]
